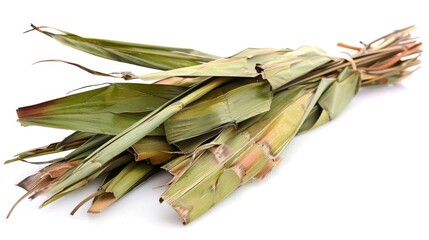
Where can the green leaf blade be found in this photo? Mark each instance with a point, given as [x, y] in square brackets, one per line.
[106, 110]
[151, 56]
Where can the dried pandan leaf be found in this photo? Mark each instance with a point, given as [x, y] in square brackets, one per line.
[72, 141]
[152, 56]
[105, 110]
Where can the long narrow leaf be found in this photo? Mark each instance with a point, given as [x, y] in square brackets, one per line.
[106, 110]
[72, 141]
[151, 56]
[279, 67]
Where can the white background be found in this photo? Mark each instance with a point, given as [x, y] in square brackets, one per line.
[363, 176]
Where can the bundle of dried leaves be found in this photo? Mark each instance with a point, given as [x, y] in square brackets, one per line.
[214, 123]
